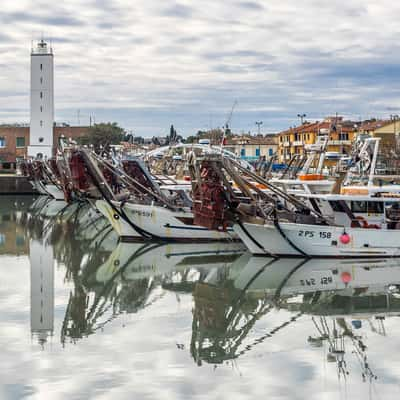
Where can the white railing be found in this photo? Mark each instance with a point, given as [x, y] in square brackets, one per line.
[339, 142]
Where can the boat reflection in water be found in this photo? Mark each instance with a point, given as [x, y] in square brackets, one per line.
[344, 299]
[135, 276]
[236, 297]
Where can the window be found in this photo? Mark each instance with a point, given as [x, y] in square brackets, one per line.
[2, 142]
[337, 206]
[243, 152]
[258, 152]
[359, 206]
[41, 95]
[20, 241]
[375, 207]
[270, 152]
[41, 108]
[370, 207]
[41, 80]
[41, 123]
[20, 142]
[41, 67]
[41, 140]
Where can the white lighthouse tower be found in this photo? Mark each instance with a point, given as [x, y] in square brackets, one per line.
[42, 101]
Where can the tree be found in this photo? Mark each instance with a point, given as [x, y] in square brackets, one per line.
[104, 134]
[172, 138]
[190, 139]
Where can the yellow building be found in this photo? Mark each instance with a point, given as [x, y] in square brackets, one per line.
[293, 141]
[387, 130]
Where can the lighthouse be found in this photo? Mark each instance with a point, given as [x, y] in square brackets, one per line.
[41, 101]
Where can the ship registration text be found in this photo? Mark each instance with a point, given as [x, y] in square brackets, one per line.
[311, 234]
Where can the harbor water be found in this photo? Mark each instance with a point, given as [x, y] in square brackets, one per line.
[84, 316]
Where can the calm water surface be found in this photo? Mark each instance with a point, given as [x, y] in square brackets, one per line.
[83, 316]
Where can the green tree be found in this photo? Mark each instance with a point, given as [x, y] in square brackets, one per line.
[190, 139]
[104, 134]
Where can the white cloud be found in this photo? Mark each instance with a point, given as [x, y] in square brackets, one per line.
[149, 64]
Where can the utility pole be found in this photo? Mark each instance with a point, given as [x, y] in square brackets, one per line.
[394, 118]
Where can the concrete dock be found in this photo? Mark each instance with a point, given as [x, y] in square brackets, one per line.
[14, 184]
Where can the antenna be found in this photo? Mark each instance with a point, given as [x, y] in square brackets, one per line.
[229, 119]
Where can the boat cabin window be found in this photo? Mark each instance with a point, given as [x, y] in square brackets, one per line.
[336, 206]
[374, 207]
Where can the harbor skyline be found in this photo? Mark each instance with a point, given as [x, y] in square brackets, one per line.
[148, 67]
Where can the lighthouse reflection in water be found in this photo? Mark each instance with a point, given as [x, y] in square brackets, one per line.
[195, 320]
[42, 289]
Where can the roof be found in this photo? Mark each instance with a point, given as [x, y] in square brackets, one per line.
[372, 125]
[327, 123]
[256, 140]
[307, 127]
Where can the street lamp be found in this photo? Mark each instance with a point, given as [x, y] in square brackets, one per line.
[258, 123]
[394, 118]
[301, 116]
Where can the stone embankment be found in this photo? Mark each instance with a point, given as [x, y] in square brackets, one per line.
[13, 184]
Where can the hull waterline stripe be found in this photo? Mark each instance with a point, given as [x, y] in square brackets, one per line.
[278, 227]
[193, 228]
[247, 233]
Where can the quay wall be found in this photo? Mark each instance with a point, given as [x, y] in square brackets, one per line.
[13, 184]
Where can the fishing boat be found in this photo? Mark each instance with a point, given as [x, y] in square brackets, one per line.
[137, 204]
[43, 176]
[274, 222]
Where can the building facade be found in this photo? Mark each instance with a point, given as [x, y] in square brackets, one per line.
[251, 148]
[295, 140]
[15, 141]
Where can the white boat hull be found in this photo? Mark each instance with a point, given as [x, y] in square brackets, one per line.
[318, 241]
[39, 187]
[160, 223]
[123, 229]
[54, 191]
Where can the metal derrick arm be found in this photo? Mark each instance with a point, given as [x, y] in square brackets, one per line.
[129, 181]
[244, 179]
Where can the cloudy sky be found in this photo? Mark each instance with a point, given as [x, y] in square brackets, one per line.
[149, 64]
